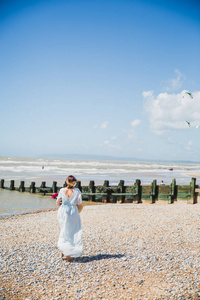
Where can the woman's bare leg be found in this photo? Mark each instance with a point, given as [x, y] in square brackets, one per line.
[61, 254]
[69, 259]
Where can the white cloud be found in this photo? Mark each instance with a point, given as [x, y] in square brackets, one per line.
[174, 83]
[110, 146]
[170, 140]
[135, 123]
[87, 147]
[102, 126]
[148, 94]
[131, 132]
[169, 111]
[132, 135]
[113, 138]
[189, 146]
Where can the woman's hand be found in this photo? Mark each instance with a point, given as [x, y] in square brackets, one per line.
[80, 207]
[58, 202]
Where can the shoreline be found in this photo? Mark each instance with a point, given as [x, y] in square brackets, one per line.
[194, 175]
[131, 251]
[28, 213]
[45, 210]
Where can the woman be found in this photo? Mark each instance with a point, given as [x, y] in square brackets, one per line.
[70, 243]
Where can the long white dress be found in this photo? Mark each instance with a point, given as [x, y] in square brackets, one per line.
[70, 242]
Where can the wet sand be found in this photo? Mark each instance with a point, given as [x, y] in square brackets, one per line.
[194, 175]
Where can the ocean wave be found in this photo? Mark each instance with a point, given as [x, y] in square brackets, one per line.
[14, 168]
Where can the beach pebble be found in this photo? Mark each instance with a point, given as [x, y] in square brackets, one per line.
[130, 252]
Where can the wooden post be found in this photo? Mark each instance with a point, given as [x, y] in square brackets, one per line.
[121, 183]
[106, 183]
[21, 187]
[172, 192]
[137, 191]
[91, 189]
[12, 185]
[65, 184]
[43, 185]
[121, 189]
[193, 195]
[2, 183]
[32, 187]
[153, 191]
[105, 198]
[78, 185]
[197, 190]
[54, 187]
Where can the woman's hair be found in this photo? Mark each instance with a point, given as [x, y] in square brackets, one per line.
[71, 181]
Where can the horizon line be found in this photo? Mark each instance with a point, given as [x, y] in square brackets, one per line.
[98, 157]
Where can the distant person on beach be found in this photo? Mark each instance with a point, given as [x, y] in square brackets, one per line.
[162, 182]
[70, 243]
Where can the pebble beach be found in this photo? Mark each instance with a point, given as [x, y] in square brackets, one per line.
[131, 251]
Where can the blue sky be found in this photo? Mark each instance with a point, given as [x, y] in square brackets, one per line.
[100, 78]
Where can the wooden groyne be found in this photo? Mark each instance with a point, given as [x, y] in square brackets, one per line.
[119, 193]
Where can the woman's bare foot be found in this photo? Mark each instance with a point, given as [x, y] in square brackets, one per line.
[69, 259]
[61, 254]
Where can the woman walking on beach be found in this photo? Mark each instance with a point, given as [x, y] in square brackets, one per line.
[70, 243]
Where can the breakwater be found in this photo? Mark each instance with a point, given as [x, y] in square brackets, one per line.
[121, 193]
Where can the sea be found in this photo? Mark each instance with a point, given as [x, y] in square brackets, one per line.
[49, 170]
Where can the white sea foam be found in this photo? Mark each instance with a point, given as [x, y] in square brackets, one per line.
[55, 169]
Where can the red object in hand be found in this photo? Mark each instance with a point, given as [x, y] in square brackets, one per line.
[54, 195]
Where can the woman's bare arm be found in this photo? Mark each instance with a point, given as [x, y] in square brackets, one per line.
[80, 207]
[58, 202]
